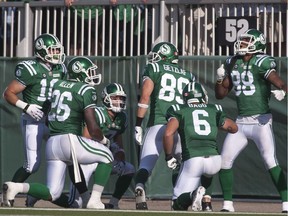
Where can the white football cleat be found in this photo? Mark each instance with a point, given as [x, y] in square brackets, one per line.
[140, 199]
[196, 197]
[9, 191]
[228, 206]
[95, 205]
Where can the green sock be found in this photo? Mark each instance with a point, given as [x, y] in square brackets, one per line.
[279, 179]
[102, 173]
[20, 175]
[226, 181]
[182, 202]
[39, 191]
[207, 183]
[62, 201]
[122, 185]
[141, 176]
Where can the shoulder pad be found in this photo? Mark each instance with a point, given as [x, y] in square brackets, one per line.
[265, 62]
[26, 67]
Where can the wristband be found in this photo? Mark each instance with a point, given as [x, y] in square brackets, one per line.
[145, 106]
[168, 157]
[26, 107]
[21, 104]
[219, 82]
[139, 121]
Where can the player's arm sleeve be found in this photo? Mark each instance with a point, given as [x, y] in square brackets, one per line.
[220, 115]
[89, 97]
[24, 73]
[266, 66]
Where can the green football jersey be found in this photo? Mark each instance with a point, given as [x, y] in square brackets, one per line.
[110, 128]
[169, 82]
[250, 84]
[39, 80]
[69, 100]
[198, 128]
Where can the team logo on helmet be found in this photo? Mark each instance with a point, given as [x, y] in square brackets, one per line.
[39, 44]
[262, 39]
[77, 67]
[165, 49]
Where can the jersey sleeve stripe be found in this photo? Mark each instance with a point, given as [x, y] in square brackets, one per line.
[20, 81]
[260, 60]
[84, 88]
[218, 107]
[89, 106]
[100, 115]
[30, 69]
[155, 67]
[268, 73]
[176, 107]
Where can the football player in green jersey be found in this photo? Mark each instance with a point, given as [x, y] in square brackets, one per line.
[35, 79]
[250, 73]
[163, 82]
[112, 120]
[73, 102]
[197, 123]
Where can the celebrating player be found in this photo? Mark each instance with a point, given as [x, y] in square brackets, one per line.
[197, 122]
[163, 82]
[250, 73]
[35, 79]
[73, 103]
[112, 120]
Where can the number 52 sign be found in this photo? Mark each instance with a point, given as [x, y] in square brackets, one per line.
[229, 28]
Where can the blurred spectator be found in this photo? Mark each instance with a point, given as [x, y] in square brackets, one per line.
[82, 23]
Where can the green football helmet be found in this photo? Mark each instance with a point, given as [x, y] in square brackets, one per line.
[164, 51]
[194, 92]
[251, 41]
[48, 48]
[114, 97]
[82, 69]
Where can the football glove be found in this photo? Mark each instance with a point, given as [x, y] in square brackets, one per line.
[105, 142]
[220, 73]
[279, 94]
[172, 163]
[34, 111]
[138, 135]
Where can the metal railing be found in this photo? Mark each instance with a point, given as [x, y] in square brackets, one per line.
[131, 27]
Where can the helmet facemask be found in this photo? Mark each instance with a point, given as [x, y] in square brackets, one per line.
[92, 78]
[248, 43]
[82, 69]
[52, 53]
[114, 97]
[117, 102]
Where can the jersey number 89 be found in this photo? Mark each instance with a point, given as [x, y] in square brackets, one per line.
[169, 86]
